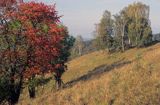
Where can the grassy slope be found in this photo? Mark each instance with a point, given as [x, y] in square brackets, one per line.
[117, 79]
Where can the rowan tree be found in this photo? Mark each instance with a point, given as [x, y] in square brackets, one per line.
[9, 88]
[31, 44]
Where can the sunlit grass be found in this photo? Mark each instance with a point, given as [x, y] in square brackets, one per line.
[136, 83]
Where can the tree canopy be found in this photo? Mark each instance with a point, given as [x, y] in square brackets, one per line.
[32, 42]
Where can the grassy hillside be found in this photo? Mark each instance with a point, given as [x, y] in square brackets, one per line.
[129, 78]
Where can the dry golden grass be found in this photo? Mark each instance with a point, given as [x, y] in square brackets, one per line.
[128, 80]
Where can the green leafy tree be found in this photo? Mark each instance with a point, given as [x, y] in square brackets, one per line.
[139, 28]
[78, 48]
[104, 31]
[63, 57]
[120, 23]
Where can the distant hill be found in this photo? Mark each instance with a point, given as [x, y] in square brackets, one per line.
[99, 78]
[156, 37]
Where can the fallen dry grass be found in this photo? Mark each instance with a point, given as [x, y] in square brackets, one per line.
[134, 83]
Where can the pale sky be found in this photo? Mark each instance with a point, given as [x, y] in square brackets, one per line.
[81, 15]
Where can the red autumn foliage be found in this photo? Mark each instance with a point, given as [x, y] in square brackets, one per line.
[7, 3]
[33, 42]
[40, 27]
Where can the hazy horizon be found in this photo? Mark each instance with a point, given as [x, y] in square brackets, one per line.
[81, 15]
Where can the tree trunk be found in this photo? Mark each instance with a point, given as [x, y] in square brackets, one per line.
[129, 41]
[31, 92]
[80, 51]
[123, 39]
[15, 90]
[122, 44]
[31, 87]
[58, 83]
